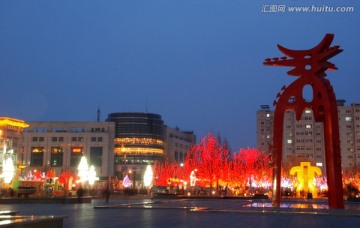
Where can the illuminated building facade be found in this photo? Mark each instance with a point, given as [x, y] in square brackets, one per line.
[11, 140]
[139, 141]
[178, 144]
[60, 146]
[304, 140]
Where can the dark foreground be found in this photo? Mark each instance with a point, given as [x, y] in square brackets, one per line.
[145, 212]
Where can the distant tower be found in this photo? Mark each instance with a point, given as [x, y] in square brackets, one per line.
[98, 114]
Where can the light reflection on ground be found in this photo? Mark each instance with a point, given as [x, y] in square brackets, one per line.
[289, 205]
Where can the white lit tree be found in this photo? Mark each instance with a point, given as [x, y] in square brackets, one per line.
[148, 176]
[8, 170]
[92, 175]
[83, 170]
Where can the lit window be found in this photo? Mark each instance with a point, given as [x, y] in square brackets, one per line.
[319, 164]
[308, 125]
[268, 115]
[307, 111]
[289, 141]
[347, 118]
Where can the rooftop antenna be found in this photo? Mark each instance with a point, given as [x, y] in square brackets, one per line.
[98, 114]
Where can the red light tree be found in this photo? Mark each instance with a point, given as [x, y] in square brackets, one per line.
[211, 159]
[64, 177]
[50, 173]
[163, 172]
[250, 165]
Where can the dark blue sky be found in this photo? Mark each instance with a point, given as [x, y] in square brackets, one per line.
[198, 63]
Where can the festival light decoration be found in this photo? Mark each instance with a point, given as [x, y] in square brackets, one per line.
[83, 170]
[92, 175]
[126, 182]
[306, 177]
[192, 179]
[8, 170]
[148, 176]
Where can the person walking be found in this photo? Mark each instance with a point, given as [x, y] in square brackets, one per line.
[107, 193]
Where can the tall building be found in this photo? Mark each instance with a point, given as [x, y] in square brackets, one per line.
[60, 146]
[139, 141]
[304, 140]
[349, 124]
[178, 144]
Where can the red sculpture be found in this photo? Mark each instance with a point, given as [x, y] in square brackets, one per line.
[310, 65]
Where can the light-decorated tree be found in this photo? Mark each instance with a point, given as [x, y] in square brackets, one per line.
[211, 159]
[250, 166]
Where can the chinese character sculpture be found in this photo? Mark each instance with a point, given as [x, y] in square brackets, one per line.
[310, 65]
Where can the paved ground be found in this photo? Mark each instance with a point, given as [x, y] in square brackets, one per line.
[142, 212]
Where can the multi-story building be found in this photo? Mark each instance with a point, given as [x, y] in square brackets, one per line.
[60, 146]
[139, 141]
[304, 140]
[264, 122]
[11, 131]
[349, 124]
[123, 145]
[178, 144]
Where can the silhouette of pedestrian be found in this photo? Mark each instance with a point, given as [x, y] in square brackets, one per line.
[107, 194]
[80, 193]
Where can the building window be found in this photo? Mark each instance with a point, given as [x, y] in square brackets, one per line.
[59, 130]
[75, 156]
[37, 156]
[93, 139]
[54, 139]
[56, 159]
[96, 156]
[61, 139]
[41, 139]
[78, 130]
[73, 139]
[34, 139]
[99, 139]
[348, 118]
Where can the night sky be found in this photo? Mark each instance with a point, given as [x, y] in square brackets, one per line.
[197, 63]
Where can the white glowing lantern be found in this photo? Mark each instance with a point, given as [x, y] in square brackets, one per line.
[148, 176]
[92, 175]
[83, 170]
[8, 170]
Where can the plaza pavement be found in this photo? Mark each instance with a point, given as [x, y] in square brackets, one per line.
[145, 212]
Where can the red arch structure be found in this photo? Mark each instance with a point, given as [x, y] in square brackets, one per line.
[310, 65]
